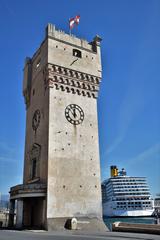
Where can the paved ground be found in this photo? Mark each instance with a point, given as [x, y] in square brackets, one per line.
[68, 235]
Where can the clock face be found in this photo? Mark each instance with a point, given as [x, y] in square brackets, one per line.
[74, 114]
[36, 119]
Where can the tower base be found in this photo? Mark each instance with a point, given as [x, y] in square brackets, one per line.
[85, 224]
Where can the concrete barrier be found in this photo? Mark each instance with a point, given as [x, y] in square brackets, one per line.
[136, 228]
[85, 224]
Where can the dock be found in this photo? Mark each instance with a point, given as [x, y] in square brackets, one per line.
[136, 228]
[71, 235]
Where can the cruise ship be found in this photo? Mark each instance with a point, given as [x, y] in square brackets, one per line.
[125, 196]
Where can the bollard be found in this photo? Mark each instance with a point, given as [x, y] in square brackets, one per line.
[74, 224]
[156, 220]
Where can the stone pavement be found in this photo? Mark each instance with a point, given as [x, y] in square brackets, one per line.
[70, 235]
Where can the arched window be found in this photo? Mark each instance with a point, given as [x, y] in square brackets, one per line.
[93, 88]
[56, 85]
[65, 71]
[83, 86]
[78, 92]
[77, 76]
[72, 83]
[83, 93]
[77, 53]
[67, 81]
[78, 84]
[55, 78]
[92, 79]
[72, 90]
[62, 88]
[61, 80]
[88, 87]
[88, 94]
[67, 88]
[60, 69]
[71, 73]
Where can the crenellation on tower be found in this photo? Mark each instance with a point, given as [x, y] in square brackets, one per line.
[61, 36]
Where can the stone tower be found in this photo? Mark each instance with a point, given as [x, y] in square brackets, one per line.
[61, 164]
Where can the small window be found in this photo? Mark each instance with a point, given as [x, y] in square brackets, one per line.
[60, 69]
[77, 53]
[38, 63]
[34, 168]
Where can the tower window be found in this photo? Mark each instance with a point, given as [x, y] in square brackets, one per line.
[34, 154]
[38, 63]
[34, 168]
[77, 53]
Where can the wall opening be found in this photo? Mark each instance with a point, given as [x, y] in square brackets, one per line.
[77, 53]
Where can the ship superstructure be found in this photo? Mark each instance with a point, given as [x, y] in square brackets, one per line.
[123, 195]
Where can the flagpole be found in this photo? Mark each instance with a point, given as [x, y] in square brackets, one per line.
[69, 27]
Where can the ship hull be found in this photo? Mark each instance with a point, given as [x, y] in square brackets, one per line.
[109, 212]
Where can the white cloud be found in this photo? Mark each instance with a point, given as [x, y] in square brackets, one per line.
[130, 107]
[135, 97]
[147, 154]
[113, 146]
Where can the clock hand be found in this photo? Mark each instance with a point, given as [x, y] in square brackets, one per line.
[73, 111]
[73, 62]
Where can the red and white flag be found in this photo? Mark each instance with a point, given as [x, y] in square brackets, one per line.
[73, 21]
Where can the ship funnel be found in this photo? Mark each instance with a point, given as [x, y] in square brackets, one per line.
[123, 172]
[114, 171]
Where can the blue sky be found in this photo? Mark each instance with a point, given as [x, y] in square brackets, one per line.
[128, 104]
